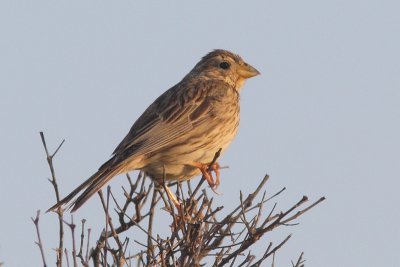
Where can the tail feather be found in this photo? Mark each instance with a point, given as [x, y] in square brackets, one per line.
[92, 185]
[71, 195]
[93, 188]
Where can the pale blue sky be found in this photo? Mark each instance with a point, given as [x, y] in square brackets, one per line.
[322, 119]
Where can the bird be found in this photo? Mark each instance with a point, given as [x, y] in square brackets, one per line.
[178, 135]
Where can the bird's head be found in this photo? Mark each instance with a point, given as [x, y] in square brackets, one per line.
[224, 65]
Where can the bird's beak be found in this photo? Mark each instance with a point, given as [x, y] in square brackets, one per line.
[247, 71]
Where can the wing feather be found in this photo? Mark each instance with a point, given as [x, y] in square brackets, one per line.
[170, 117]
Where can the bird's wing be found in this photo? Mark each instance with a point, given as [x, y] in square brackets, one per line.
[171, 116]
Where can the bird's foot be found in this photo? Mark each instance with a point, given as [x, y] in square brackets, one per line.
[206, 171]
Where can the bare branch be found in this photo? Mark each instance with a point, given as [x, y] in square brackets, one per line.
[39, 242]
[60, 212]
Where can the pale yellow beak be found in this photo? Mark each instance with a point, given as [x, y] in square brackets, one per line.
[247, 71]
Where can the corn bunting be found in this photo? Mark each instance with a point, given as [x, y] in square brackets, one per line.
[180, 132]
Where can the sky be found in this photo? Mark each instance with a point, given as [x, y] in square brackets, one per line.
[321, 120]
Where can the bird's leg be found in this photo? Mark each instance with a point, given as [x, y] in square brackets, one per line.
[206, 170]
[173, 198]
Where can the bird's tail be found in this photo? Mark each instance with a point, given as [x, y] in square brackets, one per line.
[91, 186]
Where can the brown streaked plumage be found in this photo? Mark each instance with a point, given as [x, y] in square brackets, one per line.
[182, 129]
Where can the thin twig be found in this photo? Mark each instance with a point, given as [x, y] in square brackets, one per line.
[300, 261]
[72, 226]
[150, 249]
[60, 212]
[39, 242]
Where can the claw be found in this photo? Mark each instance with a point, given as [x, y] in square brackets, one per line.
[206, 171]
[214, 189]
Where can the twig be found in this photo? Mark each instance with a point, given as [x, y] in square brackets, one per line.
[87, 246]
[150, 249]
[39, 242]
[66, 256]
[107, 217]
[271, 252]
[80, 254]
[72, 227]
[300, 261]
[60, 212]
[114, 233]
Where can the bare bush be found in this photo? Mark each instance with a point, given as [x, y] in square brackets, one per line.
[199, 233]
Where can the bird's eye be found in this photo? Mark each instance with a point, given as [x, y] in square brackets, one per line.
[224, 65]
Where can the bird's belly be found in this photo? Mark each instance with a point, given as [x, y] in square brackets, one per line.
[173, 172]
[177, 161]
[180, 166]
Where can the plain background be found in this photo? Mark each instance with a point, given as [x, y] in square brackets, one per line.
[322, 119]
